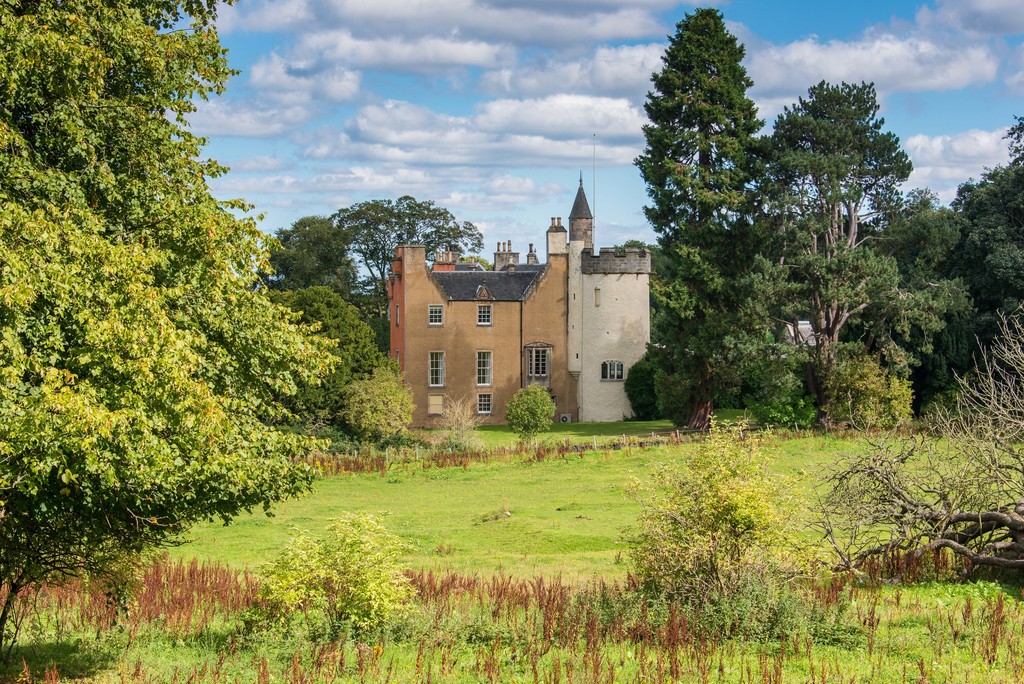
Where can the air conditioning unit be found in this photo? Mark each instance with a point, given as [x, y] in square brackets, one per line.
[565, 418]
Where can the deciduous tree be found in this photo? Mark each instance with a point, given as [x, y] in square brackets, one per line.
[375, 228]
[138, 365]
[313, 252]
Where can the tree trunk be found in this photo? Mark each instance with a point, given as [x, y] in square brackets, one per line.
[10, 595]
[703, 405]
[815, 387]
[816, 372]
[700, 415]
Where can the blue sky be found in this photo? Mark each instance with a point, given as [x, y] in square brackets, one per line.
[493, 108]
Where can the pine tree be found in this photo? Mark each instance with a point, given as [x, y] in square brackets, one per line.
[697, 166]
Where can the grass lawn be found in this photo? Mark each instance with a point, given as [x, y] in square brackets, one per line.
[562, 516]
[547, 525]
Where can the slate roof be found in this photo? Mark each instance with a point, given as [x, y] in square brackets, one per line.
[580, 208]
[503, 286]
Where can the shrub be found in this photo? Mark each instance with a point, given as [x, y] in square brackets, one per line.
[458, 425]
[790, 408]
[861, 392]
[711, 524]
[379, 407]
[641, 389]
[529, 412]
[353, 575]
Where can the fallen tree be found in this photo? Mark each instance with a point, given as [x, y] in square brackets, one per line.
[960, 487]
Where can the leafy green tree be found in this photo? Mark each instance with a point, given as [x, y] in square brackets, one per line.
[375, 228]
[353, 345]
[377, 408]
[990, 256]
[313, 252]
[1016, 137]
[140, 367]
[529, 412]
[712, 286]
[354, 574]
[837, 174]
[934, 337]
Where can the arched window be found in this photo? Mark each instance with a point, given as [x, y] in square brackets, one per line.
[611, 370]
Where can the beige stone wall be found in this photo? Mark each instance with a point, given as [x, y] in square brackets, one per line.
[544, 321]
[541, 318]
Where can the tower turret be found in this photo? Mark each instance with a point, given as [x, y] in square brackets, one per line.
[581, 221]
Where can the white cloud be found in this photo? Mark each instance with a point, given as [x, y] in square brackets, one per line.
[562, 117]
[503, 191]
[1015, 80]
[529, 23]
[416, 54]
[943, 162]
[260, 164]
[505, 133]
[299, 83]
[227, 118]
[980, 17]
[624, 71]
[892, 63]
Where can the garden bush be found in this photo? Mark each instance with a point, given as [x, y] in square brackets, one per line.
[863, 393]
[529, 412]
[715, 521]
[353, 575]
[377, 408]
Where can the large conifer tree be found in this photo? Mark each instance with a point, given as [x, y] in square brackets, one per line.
[697, 168]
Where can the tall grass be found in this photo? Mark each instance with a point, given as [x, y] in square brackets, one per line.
[464, 628]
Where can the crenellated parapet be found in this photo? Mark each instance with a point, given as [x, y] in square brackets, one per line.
[611, 260]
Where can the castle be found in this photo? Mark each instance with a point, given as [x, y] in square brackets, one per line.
[573, 324]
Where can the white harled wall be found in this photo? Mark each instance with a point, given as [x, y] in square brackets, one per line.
[616, 327]
[575, 295]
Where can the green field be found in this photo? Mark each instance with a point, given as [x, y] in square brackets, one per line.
[564, 515]
[519, 565]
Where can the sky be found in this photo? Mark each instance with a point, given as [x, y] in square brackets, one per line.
[495, 109]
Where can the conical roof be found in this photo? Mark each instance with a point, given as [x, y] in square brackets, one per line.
[580, 208]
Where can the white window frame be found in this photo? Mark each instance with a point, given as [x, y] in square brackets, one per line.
[482, 399]
[435, 309]
[480, 318]
[538, 356]
[485, 372]
[435, 371]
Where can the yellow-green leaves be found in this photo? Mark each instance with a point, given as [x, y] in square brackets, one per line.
[717, 519]
[140, 369]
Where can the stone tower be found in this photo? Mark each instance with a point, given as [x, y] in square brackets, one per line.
[581, 221]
